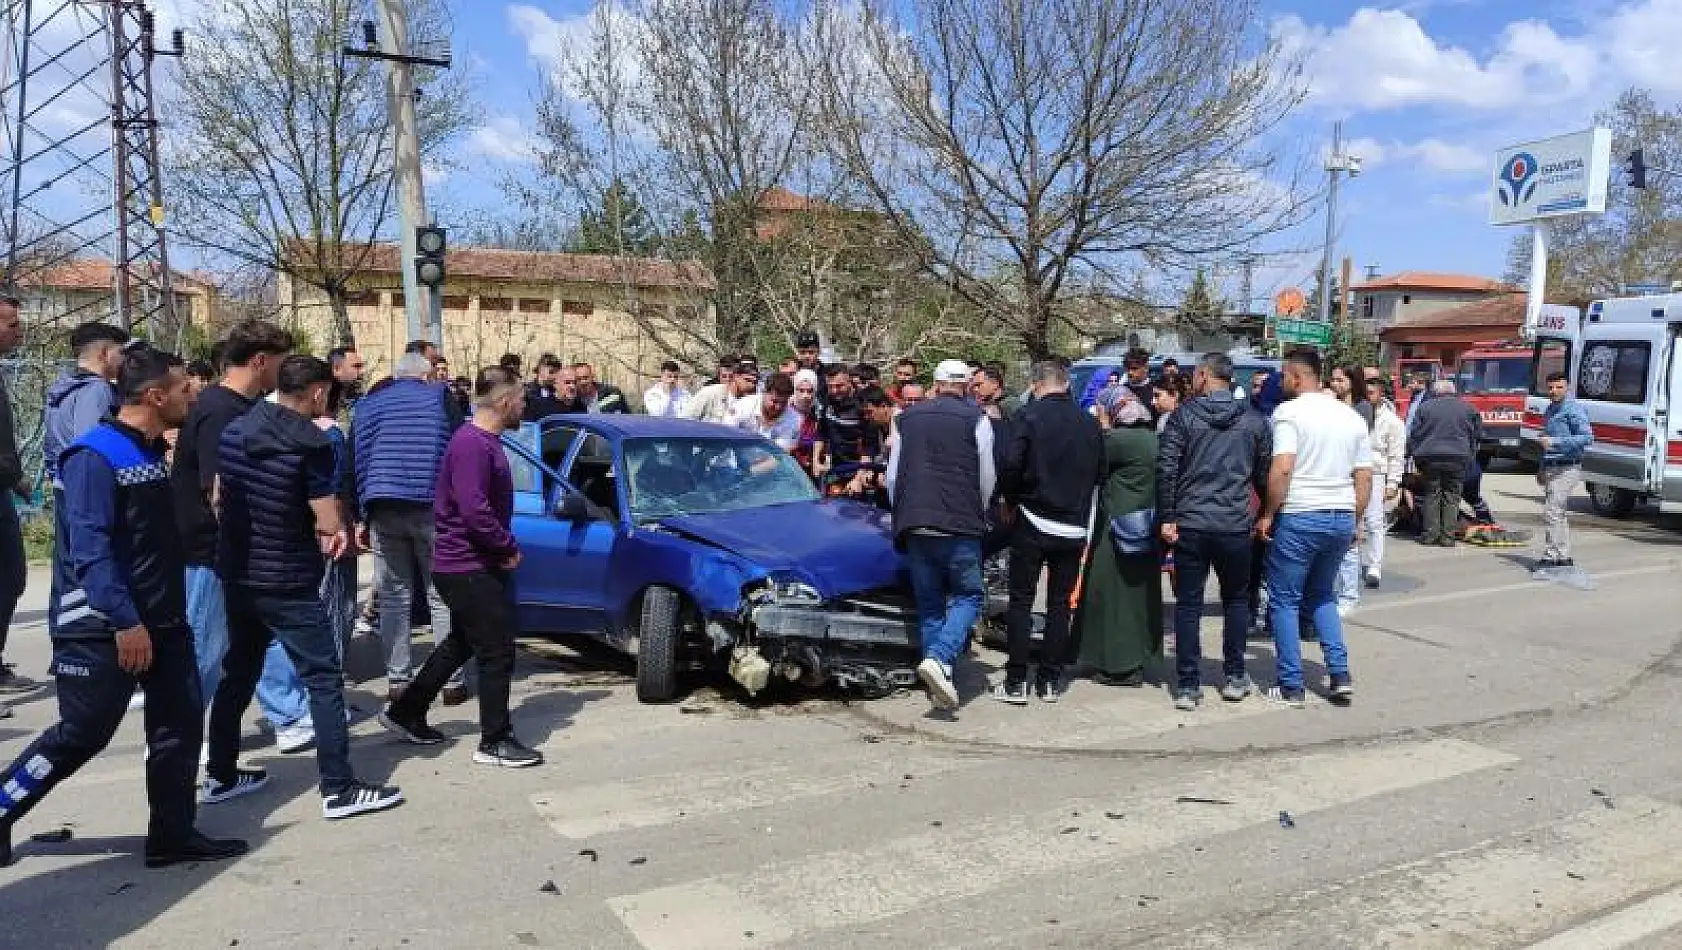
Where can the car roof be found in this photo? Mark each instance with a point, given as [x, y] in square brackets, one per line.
[627, 426]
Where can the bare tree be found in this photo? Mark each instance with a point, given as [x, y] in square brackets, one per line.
[1044, 140]
[280, 146]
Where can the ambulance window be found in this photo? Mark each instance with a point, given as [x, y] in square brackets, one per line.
[1552, 356]
[1614, 371]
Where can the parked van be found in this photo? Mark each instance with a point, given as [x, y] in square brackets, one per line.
[1620, 357]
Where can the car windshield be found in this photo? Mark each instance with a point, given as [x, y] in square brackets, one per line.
[692, 476]
[1495, 374]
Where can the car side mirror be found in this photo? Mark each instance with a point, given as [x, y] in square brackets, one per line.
[571, 506]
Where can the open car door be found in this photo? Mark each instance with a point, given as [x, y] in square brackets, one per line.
[566, 542]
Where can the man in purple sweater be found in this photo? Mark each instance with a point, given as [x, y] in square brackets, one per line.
[472, 566]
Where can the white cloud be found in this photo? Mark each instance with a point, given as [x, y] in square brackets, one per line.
[1433, 154]
[561, 45]
[501, 138]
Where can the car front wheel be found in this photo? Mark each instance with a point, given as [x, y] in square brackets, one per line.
[657, 643]
[1611, 502]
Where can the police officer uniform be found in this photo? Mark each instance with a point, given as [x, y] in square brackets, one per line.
[119, 565]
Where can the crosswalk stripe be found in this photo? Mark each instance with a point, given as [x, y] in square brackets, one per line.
[1498, 892]
[649, 801]
[843, 888]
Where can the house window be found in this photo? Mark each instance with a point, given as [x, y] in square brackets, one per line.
[455, 303]
[397, 298]
[1366, 306]
[581, 308]
[533, 305]
[496, 303]
[362, 298]
[686, 314]
[1407, 299]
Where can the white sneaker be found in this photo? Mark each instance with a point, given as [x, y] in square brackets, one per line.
[939, 682]
[1344, 610]
[296, 737]
[138, 700]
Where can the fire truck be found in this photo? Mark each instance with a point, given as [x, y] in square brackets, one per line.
[1495, 379]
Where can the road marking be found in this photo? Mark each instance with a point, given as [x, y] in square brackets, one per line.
[1499, 892]
[788, 775]
[848, 888]
[1652, 916]
[1409, 600]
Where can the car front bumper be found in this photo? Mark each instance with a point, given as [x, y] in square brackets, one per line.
[838, 627]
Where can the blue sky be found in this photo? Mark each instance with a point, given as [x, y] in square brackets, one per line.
[1427, 90]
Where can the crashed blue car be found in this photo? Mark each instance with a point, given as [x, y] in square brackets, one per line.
[698, 547]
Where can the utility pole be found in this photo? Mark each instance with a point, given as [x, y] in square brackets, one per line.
[421, 303]
[1338, 163]
[1247, 280]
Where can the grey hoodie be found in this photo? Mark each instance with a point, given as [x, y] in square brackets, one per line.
[75, 404]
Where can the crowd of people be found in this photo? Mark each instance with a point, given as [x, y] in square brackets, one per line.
[209, 517]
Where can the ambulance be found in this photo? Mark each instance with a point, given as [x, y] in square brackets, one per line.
[1620, 357]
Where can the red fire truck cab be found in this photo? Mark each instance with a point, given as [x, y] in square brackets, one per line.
[1494, 378]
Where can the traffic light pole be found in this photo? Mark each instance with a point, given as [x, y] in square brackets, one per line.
[421, 304]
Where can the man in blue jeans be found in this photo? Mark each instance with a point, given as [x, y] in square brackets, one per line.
[1214, 450]
[1317, 491]
[280, 516]
[941, 477]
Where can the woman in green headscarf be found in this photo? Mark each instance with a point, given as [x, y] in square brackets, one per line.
[1118, 622]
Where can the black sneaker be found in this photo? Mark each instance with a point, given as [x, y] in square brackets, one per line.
[1372, 580]
[509, 754]
[415, 731]
[1294, 698]
[1049, 689]
[1342, 689]
[359, 799]
[12, 683]
[5, 845]
[197, 847]
[1015, 693]
[244, 782]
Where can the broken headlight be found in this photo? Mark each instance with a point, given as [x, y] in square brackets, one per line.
[785, 592]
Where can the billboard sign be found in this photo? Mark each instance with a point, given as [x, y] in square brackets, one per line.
[1553, 177]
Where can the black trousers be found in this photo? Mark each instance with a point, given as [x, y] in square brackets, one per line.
[93, 695]
[481, 627]
[1440, 514]
[1030, 551]
[1196, 554]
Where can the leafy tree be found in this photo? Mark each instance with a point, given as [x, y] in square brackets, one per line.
[1200, 312]
[619, 225]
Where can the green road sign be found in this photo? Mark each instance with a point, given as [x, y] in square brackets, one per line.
[1310, 332]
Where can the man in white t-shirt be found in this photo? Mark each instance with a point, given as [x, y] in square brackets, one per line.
[1317, 492]
[717, 403]
[768, 413]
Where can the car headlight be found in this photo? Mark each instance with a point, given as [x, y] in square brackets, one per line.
[787, 592]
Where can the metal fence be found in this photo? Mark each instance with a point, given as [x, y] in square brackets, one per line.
[27, 380]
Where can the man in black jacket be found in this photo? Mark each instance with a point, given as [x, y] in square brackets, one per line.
[1442, 439]
[1213, 453]
[941, 479]
[1049, 471]
[14, 572]
[121, 617]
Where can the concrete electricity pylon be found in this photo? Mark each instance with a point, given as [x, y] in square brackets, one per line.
[79, 173]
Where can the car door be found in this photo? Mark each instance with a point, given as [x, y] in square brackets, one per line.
[1618, 368]
[553, 593]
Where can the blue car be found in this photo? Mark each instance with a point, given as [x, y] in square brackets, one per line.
[695, 546]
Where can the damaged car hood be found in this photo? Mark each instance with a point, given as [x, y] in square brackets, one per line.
[841, 547]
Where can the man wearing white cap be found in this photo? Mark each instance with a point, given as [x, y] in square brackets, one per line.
[940, 478]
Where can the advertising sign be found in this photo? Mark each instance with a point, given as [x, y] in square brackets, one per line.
[1553, 177]
[1309, 332]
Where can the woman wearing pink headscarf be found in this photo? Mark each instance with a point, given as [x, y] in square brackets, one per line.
[805, 402]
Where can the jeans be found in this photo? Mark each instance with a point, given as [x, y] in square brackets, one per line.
[482, 605]
[298, 621]
[1558, 482]
[1302, 568]
[1029, 552]
[403, 537]
[280, 694]
[93, 695]
[338, 595]
[1228, 555]
[946, 580]
[1445, 478]
[14, 573]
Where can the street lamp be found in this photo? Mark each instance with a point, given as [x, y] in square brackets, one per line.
[1338, 163]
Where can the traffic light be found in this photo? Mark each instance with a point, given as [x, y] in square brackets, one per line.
[1635, 170]
[429, 256]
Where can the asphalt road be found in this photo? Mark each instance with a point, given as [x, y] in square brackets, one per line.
[1506, 778]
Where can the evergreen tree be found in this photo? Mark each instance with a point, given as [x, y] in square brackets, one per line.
[620, 225]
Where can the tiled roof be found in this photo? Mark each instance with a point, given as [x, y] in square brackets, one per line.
[1430, 280]
[1504, 312]
[496, 264]
[781, 199]
[94, 273]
